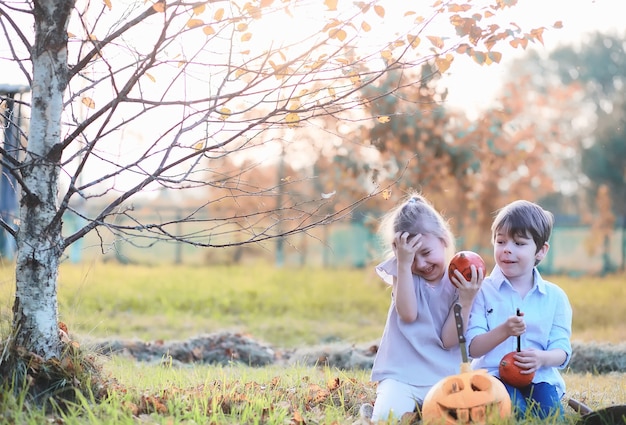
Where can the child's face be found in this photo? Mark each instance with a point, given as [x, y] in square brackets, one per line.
[515, 254]
[430, 261]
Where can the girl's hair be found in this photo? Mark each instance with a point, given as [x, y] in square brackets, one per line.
[525, 219]
[415, 215]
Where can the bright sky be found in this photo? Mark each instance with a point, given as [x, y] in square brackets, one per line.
[473, 86]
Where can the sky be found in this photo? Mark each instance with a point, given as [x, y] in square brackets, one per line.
[473, 86]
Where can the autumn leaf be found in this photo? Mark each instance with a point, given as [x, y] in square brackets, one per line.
[246, 37]
[241, 27]
[292, 119]
[159, 7]
[380, 11]
[443, 63]
[331, 92]
[107, 3]
[194, 23]
[479, 57]
[386, 55]
[219, 14]
[558, 25]
[331, 4]
[337, 33]
[383, 119]
[198, 10]
[386, 194]
[151, 77]
[88, 102]
[365, 26]
[436, 41]
[225, 113]
[494, 56]
[208, 30]
[413, 40]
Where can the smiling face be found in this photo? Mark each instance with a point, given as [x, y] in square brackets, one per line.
[430, 259]
[516, 254]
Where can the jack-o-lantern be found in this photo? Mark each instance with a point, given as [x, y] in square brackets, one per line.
[471, 397]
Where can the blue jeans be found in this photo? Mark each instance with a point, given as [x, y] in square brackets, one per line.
[538, 400]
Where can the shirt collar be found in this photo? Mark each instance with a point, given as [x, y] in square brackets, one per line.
[499, 279]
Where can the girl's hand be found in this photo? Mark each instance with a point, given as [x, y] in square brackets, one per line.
[405, 246]
[468, 290]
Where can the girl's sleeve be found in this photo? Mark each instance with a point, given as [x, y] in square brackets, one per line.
[561, 330]
[387, 270]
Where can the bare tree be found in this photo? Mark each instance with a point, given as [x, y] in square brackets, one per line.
[128, 97]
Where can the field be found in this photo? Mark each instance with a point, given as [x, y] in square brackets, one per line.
[285, 308]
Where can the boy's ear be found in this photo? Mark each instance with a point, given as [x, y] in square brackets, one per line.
[542, 252]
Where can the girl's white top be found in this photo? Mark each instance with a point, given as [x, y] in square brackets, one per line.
[413, 352]
[548, 317]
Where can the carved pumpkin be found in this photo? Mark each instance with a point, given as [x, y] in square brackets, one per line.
[462, 261]
[471, 397]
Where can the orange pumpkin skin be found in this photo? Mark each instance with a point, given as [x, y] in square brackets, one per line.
[462, 261]
[471, 397]
[510, 372]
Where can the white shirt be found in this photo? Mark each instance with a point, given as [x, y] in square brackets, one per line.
[548, 317]
[413, 353]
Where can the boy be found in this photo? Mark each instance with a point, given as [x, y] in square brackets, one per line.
[520, 234]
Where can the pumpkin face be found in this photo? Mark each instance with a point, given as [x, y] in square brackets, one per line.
[510, 372]
[472, 397]
[462, 261]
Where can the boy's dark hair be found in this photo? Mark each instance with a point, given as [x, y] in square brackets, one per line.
[525, 219]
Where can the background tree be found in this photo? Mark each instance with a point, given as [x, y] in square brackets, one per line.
[129, 98]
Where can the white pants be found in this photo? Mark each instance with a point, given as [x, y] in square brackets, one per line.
[396, 398]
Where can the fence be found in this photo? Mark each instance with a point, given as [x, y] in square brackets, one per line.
[340, 245]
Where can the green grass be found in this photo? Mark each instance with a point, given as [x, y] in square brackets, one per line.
[283, 307]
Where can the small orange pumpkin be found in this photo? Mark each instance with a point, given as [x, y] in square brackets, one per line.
[462, 261]
[510, 372]
[471, 397]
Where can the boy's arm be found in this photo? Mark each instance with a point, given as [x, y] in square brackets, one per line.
[483, 343]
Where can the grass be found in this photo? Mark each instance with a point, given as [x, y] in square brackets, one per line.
[283, 307]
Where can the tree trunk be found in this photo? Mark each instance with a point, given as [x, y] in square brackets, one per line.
[39, 240]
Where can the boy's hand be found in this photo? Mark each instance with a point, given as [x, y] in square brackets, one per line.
[515, 325]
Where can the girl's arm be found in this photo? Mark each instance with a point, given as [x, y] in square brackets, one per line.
[467, 292]
[404, 294]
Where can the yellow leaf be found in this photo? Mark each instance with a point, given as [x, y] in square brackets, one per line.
[331, 92]
[246, 37]
[331, 4]
[225, 112]
[380, 11]
[292, 119]
[181, 63]
[436, 41]
[151, 77]
[107, 3]
[219, 14]
[208, 30]
[240, 72]
[88, 102]
[241, 27]
[159, 6]
[495, 56]
[71, 35]
[479, 57]
[386, 55]
[383, 119]
[198, 10]
[413, 40]
[365, 26]
[386, 194]
[294, 106]
[355, 78]
[340, 34]
[444, 63]
[193, 23]
[198, 146]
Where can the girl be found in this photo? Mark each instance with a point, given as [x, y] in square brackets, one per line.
[420, 343]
